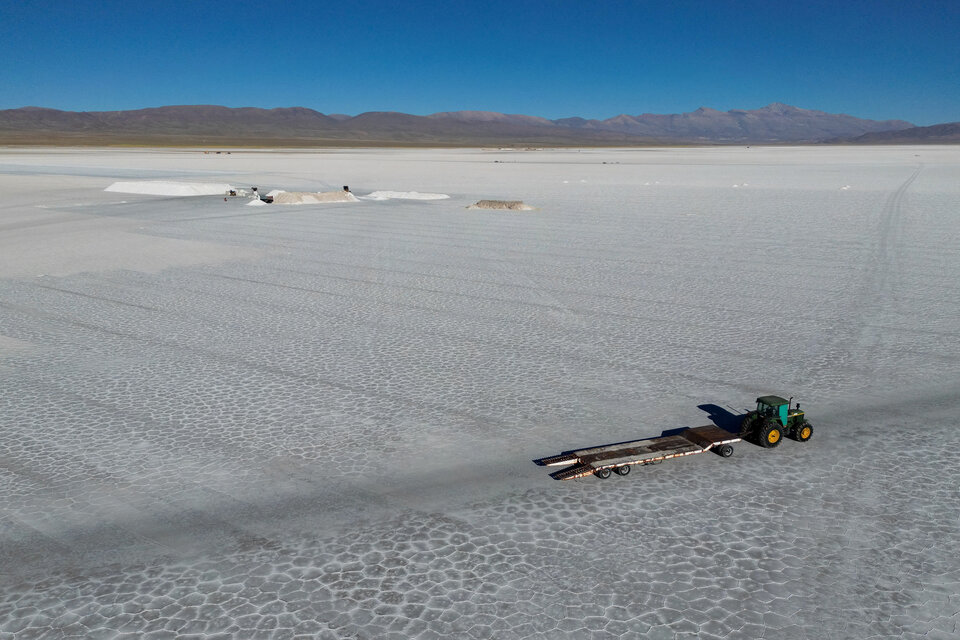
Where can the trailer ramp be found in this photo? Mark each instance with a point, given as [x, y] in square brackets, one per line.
[585, 462]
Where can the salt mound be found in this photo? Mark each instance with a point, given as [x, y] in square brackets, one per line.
[306, 197]
[513, 205]
[405, 195]
[162, 188]
[256, 203]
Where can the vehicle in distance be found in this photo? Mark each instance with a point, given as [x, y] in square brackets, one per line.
[765, 426]
[773, 418]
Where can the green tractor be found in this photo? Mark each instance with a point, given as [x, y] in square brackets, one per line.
[772, 419]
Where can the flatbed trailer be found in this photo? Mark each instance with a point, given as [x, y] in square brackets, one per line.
[620, 458]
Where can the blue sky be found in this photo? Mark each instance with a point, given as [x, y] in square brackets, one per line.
[874, 59]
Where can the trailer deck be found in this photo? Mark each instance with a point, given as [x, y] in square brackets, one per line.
[621, 457]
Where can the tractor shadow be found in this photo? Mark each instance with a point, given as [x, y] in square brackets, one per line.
[722, 418]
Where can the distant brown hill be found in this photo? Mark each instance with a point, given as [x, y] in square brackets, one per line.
[774, 123]
[298, 126]
[947, 133]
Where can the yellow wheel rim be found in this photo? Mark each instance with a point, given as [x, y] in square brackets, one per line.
[805, 433]
[773, 436]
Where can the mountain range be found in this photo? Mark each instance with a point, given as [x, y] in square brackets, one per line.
[298, 126]
[947, 133]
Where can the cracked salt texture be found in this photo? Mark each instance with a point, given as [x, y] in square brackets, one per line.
[332, 436]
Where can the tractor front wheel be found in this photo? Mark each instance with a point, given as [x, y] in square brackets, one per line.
[770, 434]
[803, 432]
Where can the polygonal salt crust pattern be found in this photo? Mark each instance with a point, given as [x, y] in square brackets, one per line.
[660, 552]
[280, 446]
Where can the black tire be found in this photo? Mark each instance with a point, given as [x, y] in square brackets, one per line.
[747, 423]
[803, 431]
[725, 450]
[770, 434]
[603, 474]
[624, 470]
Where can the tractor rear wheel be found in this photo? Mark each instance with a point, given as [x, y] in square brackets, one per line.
[747, 423]
[803, 431]
[770, 434]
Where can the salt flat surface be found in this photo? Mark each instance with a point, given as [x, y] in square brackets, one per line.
[223, 421]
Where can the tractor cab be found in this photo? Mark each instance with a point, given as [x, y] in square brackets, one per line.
[773, 407]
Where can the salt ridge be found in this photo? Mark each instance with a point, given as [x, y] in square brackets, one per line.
[166, 188]
[404, 195]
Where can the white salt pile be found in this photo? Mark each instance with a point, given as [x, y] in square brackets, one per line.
[404, 195]
[306, 197]
[163, 188]
[513, 205]
[256, 203]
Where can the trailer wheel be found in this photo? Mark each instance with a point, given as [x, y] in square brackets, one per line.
[725, 450]
[624, 470]
[770, 434]
[803, 431]
[603, 474]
